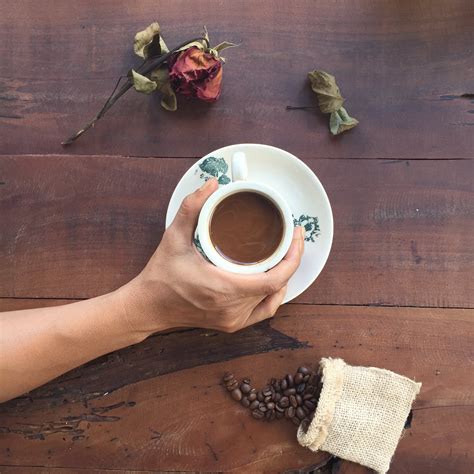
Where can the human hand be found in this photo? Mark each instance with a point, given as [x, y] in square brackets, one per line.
[179, 288]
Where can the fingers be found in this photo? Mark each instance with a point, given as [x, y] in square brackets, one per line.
[272, 281]
[188, 213]
[267, 308]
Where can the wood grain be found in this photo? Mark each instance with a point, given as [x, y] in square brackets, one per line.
[401, 65]
[185, 421]
[75, 227]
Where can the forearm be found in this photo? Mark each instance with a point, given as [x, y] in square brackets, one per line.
[40, 344]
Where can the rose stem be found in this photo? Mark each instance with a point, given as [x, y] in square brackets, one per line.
[146, 67]
[292, 107]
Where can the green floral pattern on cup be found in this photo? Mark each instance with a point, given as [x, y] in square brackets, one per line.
[214, 168]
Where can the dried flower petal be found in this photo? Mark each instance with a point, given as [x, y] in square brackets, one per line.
[340, 121]
[325, 87]
[162, 80]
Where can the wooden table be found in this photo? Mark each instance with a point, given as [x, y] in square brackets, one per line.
[397, 291]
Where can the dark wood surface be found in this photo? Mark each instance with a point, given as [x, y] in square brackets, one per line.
[397, 291]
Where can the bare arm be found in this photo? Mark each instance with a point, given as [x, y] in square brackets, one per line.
[177, 288]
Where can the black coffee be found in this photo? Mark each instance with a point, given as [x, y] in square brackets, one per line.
[246, 228]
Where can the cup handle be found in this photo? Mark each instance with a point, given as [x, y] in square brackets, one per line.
[239, 166]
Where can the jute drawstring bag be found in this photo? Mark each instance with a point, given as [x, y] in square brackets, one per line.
[360, 414]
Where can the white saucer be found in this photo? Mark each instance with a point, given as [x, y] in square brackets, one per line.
[295, 182]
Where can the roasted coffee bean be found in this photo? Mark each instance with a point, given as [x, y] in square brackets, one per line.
[304, 370]
[305, 424]
[254, 405]
[309, 404]
[299, 399]
[252, 396]
[257, 414]
[306, 378]
[277, 386]
[290, 412]
[298, 378]
[270, 405]
[296, 421]
[279, 414]
[227, 377]
[289, 391]
[284, 385]
[306, 410]
[273, 381]
[272, 415]
[246, 380]
[310, 389]
[232, 386]
[262, 407]
[245, 402]
[268, 414]
[307, 396]
[236, 394]
[279, 408]
[293, 401]
[289, 379]
[260, 396]
[267, 392]
[300, 388]
[300, 413]
[276, 397]
[284, 402]
[245, 388]
[267, 399]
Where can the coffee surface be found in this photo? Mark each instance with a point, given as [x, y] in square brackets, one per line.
[246, 228]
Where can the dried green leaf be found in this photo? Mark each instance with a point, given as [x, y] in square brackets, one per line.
[161, 78]
[340, 121]
[224, 45]
[142, 83]
[325, 87]
[148, 43]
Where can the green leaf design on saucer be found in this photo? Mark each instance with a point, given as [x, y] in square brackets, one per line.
[213, 167]
[311, 226]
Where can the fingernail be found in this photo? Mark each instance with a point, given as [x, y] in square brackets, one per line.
[207, 184]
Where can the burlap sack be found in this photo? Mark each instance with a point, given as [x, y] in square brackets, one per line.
[361, 413]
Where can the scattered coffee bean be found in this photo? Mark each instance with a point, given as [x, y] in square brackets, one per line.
[228, 377]
[276, 397]
[309, 404]
[306, 410]
[245, 402]
[289, 379]
[290, 412]
[245, 388]
[289, 391]
[284, 402]
[296, 421]
[293, 401]
[254, 405]
[305, 424]
[257, 414]
[284, 385]
[306, 378]
[246, 380]
[300, 413]
[303, 370]
[299, 399]
[252, 396]
[280, 409]
[279, 414]
[260, 396]
[267, 392]
[300, 388]
[298, 378]
[272, 415]
[307, 396]
[262, 407]
[267, 399]
[236, 394]
[277, 386]
[270, 405]
[310, 389]
[232, 386]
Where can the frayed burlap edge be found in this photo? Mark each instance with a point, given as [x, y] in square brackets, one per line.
[332, 378]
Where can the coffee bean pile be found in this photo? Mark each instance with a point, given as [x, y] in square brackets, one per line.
[294, 397]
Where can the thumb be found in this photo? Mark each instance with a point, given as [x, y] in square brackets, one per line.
[186, 218]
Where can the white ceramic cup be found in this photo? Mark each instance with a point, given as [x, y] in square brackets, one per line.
[239, 183]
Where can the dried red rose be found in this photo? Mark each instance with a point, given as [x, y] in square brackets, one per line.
[196, 73]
